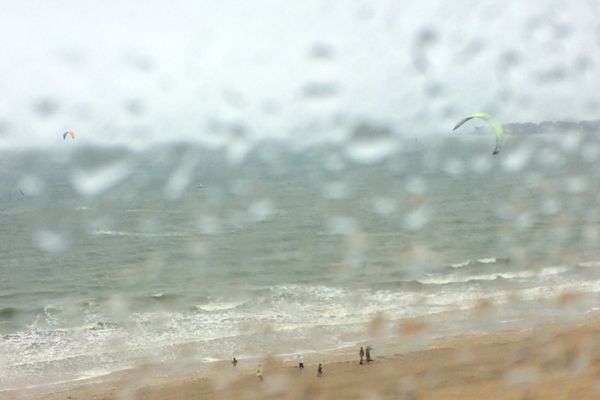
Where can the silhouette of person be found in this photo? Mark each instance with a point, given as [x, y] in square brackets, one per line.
[361, 353]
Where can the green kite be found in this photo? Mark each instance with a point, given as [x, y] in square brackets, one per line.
[492, 121]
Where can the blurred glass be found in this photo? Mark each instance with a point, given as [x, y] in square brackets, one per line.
[259, 178]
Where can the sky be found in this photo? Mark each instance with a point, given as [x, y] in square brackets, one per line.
[235, 73]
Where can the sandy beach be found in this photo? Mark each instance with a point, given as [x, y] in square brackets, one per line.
[548, 362]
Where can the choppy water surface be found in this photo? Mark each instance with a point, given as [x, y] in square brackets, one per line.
[110, 258]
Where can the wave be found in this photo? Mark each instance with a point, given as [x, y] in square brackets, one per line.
[161, 301]
[163, 296]
[9, 313]
[511, 275]
[217, 306]
[588, 264]
[218, 326]
[480, 261]
[102, 325]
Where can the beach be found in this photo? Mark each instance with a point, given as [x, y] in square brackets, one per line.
[112, 297]
[551, 361]
[227, 200]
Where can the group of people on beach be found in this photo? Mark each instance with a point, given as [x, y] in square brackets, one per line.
[363, 353]
[301, 365]
[259, 371]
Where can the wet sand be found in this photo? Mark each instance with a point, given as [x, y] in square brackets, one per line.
[549, 362]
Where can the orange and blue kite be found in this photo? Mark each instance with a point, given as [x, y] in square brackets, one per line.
[69, 133]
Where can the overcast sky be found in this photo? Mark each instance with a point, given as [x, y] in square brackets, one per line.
[140, 72]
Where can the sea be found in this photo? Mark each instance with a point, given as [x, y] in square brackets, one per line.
[183, 254]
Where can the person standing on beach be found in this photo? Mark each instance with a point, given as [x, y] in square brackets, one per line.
[234, 362]
[300, 361]
[361, 353]
[368, 354]
[259, 372]
[320, 370]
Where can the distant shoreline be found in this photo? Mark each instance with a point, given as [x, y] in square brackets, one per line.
[528, 128]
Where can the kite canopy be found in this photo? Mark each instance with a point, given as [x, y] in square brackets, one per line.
[493, 122]
[69, 133]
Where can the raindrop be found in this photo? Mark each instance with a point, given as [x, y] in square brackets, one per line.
[576, 184]
[550, 206]
[411, 327]
[261, 210]
[424, 39]
[4, 126]
[233, 98]
[551, 75]
[46, 107]
[181, 177]
[277, 384]
[334, 163]
[454, 167]
[140, 62]
[417, 219]
[570, 142]
[416, 185]
[550, 157]
[270, 107]
[509, 59]
[336, 191]
[237, 150]
[30, 185]
[590, 153]
[384, 205]
[434, 89]
[209, 225]
[523, 221]
[517, 159]
[321, 51]
[522, 376]
[342, 226]
[370, 144]
[97, 181]
[49, 241]
[318, 90]
[473, 49]
[481, 164]
[135, 107]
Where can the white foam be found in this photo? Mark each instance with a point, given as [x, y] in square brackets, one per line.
[210, 359]
[88, 375]
[489, 260]
[217, 306]
[290, 310]
[460, 265]
[589, 264]
[442, 280]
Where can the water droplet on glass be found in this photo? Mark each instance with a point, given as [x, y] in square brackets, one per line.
[49, 241]
[96, 181]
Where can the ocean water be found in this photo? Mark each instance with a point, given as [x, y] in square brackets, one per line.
[110, 258]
